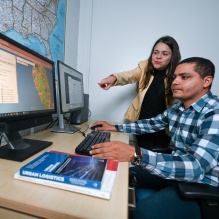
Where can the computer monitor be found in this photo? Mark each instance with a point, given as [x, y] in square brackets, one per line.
[27, 98]
[70, 96]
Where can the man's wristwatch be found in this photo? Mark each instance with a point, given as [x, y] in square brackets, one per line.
[137, 159]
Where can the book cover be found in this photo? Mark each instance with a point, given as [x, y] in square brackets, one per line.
[104, 192]
[67, 169]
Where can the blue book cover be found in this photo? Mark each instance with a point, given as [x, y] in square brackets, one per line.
[67, 168]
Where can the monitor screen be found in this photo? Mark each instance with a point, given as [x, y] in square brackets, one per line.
[71, 88]
[27, 97]
[70, 95]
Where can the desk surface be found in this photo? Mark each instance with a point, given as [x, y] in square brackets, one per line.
[47, 202]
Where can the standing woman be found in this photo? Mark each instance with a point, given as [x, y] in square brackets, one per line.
[154, 95]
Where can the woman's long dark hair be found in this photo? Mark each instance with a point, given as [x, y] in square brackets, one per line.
[175, 59]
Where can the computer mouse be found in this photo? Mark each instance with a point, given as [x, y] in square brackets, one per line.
[96, 126]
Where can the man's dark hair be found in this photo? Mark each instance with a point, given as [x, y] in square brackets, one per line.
[202, 66]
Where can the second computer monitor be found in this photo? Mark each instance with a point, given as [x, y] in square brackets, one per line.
[70, 95]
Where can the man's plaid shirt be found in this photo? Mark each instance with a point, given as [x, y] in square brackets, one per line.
[194, 132]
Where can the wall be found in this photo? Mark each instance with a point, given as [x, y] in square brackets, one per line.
[78, 37]
[71, 32]
[115, 35]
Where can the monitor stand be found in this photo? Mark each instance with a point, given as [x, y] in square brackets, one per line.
[65, 128]
[19, 149]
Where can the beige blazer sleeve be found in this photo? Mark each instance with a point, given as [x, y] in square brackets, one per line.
[132, 76]
[129, 77]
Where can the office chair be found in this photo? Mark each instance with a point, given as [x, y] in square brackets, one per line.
[206, 195]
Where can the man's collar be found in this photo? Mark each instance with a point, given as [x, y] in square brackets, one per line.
[199, 104]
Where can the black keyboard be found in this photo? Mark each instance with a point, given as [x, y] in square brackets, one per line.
[91, 139]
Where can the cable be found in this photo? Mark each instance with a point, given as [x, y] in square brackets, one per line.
[50, 124]
[74, 127]
[78, 130]
[86, 129]
[1, 139]
[89, 113]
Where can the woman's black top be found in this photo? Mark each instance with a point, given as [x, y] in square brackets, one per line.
[152, 105]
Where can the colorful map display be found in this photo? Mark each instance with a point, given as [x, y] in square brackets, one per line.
[42, 85]
[37, 24]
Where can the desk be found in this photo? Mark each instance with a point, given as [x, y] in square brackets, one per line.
[27, 200]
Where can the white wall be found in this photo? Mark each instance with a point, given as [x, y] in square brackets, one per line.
[115, 35]
[71, 32]
[78, 37]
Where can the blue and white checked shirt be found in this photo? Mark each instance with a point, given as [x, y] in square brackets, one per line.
[194, 132]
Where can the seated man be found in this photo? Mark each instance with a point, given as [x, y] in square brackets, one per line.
[193, 123]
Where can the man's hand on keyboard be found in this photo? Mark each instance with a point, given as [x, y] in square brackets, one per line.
[103, 126]
[114, 150]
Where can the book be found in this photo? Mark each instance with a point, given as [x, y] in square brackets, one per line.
[66, 168]
[104, 192]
